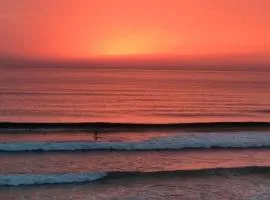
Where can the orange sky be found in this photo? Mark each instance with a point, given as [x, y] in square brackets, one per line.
[76, 29]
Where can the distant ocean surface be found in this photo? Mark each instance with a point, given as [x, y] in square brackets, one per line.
[136, 95]
[104, 133]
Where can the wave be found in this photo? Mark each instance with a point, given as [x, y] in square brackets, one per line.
[41, 179]
[38, 179]
[106, 126]
[176, 142]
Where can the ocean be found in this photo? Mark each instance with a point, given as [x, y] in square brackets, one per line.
[77, 132]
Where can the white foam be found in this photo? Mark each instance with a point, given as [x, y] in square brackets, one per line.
[37, 179]
[193, 140]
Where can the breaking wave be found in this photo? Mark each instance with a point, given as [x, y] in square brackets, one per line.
[41, 179]
[38, 179]
[176, 142]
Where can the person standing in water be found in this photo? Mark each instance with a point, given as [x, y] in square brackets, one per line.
[96, 135]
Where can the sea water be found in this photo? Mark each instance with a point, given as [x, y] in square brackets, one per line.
[227, 160]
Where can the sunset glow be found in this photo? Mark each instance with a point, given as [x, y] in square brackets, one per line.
[99, 28]
[126, 45]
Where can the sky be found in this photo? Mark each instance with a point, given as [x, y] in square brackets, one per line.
[169, 29]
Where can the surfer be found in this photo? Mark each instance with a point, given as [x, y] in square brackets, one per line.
[96, 135]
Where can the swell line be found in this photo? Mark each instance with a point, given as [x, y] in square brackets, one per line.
[195, 172]
[131, 126]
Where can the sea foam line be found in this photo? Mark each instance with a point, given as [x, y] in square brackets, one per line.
[38, 179]
[176, 142]
[41, 179]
